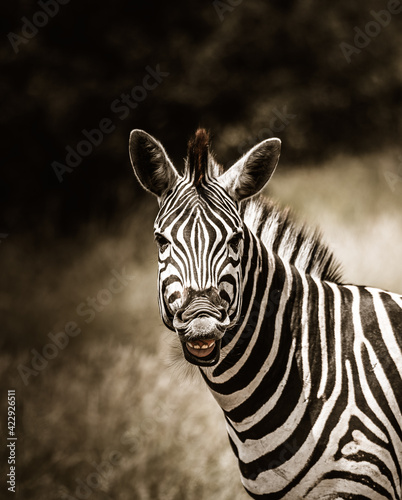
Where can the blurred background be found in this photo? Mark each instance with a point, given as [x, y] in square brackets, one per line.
[104, 410]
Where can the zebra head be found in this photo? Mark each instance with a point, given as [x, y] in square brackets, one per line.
[200, 235]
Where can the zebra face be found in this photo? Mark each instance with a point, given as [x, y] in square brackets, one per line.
[200, 250]
[200, 235]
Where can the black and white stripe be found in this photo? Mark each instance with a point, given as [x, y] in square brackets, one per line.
[309, 371]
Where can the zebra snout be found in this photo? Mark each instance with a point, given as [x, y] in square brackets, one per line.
[201, 307]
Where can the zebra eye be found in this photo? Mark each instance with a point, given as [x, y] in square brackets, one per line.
[235, 240]
[161, 241]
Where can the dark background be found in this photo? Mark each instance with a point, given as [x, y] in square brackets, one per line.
[228, 71]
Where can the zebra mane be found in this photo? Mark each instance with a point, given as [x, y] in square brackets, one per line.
[200, 162]
[293, 243]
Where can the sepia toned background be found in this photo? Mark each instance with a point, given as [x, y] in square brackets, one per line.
[105, 409]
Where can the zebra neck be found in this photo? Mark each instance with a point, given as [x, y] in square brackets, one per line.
[260, 352]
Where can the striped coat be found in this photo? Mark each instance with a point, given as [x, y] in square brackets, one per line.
[307, 370]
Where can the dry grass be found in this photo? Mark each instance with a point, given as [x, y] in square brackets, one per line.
[109, 414]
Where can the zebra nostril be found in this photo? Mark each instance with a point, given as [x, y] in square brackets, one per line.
[179, 315]
[223, 313]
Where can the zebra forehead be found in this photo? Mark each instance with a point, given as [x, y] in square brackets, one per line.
[209, 203]
[197, 211]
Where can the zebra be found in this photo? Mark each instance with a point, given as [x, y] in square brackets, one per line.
[306, 368]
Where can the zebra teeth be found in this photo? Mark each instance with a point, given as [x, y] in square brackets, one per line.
[204, 345]
[194, 346]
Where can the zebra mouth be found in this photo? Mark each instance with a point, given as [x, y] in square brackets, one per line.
[205, 352]
[201, 340]
[201, 348]
[201, 326]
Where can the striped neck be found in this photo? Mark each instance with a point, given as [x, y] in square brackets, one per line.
[261, 347]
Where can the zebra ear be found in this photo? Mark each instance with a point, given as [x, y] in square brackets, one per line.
[250, 174]
[151, 164]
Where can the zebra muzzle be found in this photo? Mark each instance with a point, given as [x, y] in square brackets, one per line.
[201, 326]
[200, 319]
